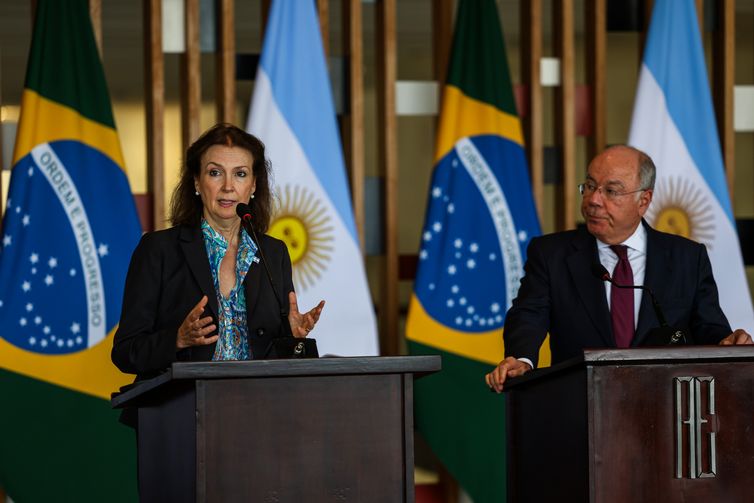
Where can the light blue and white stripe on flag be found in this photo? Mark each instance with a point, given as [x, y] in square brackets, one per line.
[674, 122]
[292, 112]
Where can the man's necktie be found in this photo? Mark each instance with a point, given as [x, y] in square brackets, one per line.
[622, 299]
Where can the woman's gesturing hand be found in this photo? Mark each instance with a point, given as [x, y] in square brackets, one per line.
[194, 330]
[302, 324]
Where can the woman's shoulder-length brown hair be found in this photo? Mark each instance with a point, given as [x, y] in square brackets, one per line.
[186, 207]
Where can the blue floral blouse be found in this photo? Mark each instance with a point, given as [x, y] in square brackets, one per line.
[233, 343]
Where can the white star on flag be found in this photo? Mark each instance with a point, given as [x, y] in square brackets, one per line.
[49, 280]
[7, 240]
[53, 262]
[75, 328]
[34, 258]
[102, 250]
[25, 286]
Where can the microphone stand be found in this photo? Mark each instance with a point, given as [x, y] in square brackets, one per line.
[286, 345]
[664, 334]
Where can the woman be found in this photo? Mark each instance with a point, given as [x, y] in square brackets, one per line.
[198, 291]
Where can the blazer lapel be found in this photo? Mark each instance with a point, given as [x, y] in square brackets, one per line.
[590, 290]
[252, 282]
[195, 254]
[658, 267]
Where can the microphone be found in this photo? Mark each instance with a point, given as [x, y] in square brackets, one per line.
[243, 210]
[298, 348]
[664, 334]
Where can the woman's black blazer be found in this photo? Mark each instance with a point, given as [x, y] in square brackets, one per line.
[168, 275]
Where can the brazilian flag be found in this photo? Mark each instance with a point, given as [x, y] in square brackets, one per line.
[69, 228]
[479, 220]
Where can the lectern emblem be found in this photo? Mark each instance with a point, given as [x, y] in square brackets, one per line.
[695, 427]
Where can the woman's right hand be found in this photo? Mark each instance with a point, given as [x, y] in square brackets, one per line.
[194, 330]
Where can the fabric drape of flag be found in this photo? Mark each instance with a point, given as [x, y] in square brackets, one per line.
[292, 112]
[674, 122]
[69, 228]
[480, 218]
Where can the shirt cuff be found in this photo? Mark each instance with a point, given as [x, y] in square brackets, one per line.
[526, 360]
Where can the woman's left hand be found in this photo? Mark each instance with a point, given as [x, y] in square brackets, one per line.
[302, 324]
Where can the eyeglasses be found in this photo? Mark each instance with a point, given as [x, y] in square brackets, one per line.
[589, 188]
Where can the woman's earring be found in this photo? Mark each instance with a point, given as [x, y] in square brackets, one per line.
[252, 195]
[196, 192]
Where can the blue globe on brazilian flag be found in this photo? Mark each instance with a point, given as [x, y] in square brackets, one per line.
[69, 228]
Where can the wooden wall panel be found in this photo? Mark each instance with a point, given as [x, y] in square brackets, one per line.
[723, 78]
[154, 96]
[323, 12]
[266, 4]
[442, 37]
[596, 49]
[95, 12]
[565, 126]
[531, 55]
[353, 119]
[225, 62]
[388, 152]
[191, 91]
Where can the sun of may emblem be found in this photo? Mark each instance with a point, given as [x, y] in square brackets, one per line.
[680, 207]
[302, 223]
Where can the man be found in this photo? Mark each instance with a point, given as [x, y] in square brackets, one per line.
[561, 294]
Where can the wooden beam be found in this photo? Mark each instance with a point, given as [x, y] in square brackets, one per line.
[225, 62]
[191, 96]
[323, 12]
[353, 120]
[700, 17]
[95, 13]
[388, 152]
[442, 36]
[724, 71]
[531, 55]
[648, 7]
[596, 48]
[564, 112]
[154, 95]
[266, 4]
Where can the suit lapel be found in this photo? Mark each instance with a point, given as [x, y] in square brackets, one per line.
[251, 283]
[195, 254]
[658, 266]
[590, 290]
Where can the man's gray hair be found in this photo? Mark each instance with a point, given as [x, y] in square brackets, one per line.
[647, 169]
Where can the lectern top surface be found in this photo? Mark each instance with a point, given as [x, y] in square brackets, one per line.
[415, 365]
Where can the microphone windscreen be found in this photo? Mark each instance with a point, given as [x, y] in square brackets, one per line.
[243, 211]
[599, 272]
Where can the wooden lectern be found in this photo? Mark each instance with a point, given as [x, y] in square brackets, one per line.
[667, 425]
[328, 429]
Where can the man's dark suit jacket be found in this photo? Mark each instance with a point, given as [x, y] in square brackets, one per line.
[168, 275]
[559, 294]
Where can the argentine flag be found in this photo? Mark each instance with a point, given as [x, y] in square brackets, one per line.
[292, 112]
[674, 122]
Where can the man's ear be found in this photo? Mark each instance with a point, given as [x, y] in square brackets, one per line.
[644, 200]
